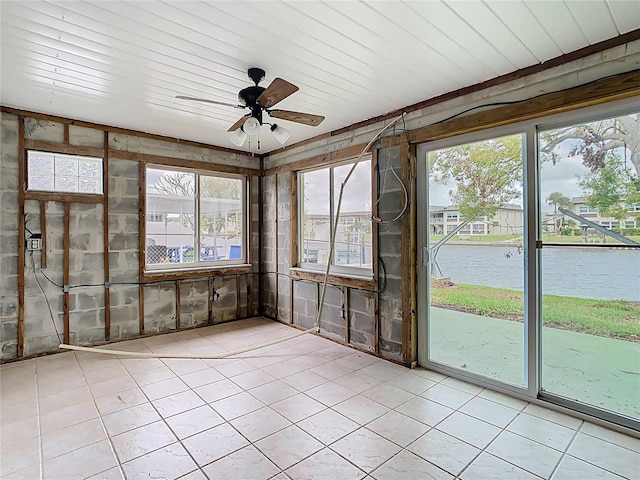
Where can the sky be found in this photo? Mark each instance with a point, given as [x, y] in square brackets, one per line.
[562, 177]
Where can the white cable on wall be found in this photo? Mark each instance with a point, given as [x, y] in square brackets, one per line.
[337, 215]
[316, 328]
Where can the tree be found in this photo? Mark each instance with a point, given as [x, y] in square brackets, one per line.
[610, 149]
[488, 174]
[216, 223]
[610, 187]
[595, 140]
[558, 200]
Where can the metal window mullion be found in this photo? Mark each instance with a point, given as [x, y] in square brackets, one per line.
[331, 213]
[533, 332]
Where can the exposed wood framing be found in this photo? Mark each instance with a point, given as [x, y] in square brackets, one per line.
[345, 312]
[374, 213]
[58, 147]
[43, 234]
[118, 130]
[167, 276]
[141, 308]
[105, 237]
[178, 326]
[360, 283]
[412, 348]
[324, 159]
[405, 241]
[249, 219]
[64, 197]
[260, 233]
[66, 133]
[293, 234]
[65, 271]
[210, 302]
[181, 162]
[250, 297]
[374, 247]
[621, 86]
[293, 220]
[21, 237]
[376, 324]
[142, 234]
[275, 246]
[238, 310]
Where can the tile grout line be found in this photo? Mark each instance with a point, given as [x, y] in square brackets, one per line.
[40, 453]
[104, 428]
[163, 420]
[200, 468]
[564, 453]
[482, 450]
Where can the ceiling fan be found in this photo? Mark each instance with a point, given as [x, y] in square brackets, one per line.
[259, 100]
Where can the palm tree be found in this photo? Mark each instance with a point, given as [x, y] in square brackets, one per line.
[558, 200]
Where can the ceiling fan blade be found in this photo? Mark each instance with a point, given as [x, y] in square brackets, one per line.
[277, 91]
[239, 123]
[305, 118]
[204, 100]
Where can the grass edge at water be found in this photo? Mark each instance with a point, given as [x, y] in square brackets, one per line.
[605, 318]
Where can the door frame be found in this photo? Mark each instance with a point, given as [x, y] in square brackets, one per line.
[532, 392]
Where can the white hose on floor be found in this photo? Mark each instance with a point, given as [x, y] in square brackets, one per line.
[182, 355]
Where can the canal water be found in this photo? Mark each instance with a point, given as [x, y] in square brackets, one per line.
[601, 273]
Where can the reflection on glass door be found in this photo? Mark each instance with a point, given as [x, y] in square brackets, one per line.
[590, 277]
[476, 229]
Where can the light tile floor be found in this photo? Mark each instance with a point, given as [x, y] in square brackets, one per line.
[307, 408]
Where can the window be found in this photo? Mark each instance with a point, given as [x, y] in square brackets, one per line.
[587, 209]
[189, 211]
[318, 201]
[56, 172]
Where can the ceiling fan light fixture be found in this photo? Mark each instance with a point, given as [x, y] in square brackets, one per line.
[251, 126]
[237, 137]
[281, 133]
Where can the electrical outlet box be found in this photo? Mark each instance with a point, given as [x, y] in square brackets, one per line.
[34, 243]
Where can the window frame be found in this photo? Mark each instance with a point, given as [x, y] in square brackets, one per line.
[335, 271]
[54, 190]
[198, 265]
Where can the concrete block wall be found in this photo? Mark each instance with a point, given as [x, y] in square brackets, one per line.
[269, 245]
[43, 323]
[283, 212]
[362, 319]
[8, 236]
[123, 248]
[391, 253]
[362, 305]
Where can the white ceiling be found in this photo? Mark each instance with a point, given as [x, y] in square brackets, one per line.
[122, 63]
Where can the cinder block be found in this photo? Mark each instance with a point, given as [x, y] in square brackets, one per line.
[36, 129]
[8, 309]
[88, 137]
[122, 168]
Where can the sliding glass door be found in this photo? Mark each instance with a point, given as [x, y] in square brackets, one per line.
[530, 280]
[590, 262]
[475, 232]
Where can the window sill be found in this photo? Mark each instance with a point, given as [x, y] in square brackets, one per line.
[342, 279]
[183, 273]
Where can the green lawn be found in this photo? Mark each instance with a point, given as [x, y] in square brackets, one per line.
[606, 318]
